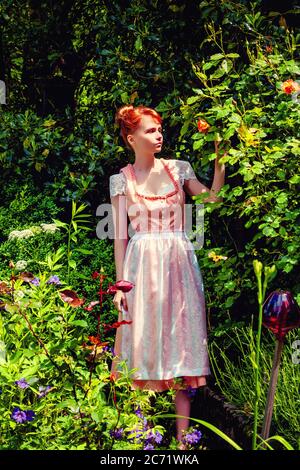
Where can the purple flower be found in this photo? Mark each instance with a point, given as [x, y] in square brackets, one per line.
[53, 280]
[117, 433]
[20, 416]
[158, 437]
[139, 413]
[148, 447]
[153, 437]
[192, 438]
[35, 281]
[44, 390]
[109, 349]
[30, 415]
[22, 383]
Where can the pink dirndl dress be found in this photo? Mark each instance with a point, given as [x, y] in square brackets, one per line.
[165, 346]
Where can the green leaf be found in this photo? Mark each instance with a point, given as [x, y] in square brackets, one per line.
[193, 99]
[294, 179]
[269, 231]
[197, 144]
[216, 56]
[72, 263]
[71, 404]
[97, 416]
[280, 439]
[84, 251]
[82, 323]
[138, 43]
[59, 223]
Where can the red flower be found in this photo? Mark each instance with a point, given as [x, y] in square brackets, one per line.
[95, 340]
[124, 286]
[203, 126]
[112, 377]
[71, 297]
[117, 324]
[289, 86]
[95, 275]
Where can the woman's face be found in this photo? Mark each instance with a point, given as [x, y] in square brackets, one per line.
[147, 136]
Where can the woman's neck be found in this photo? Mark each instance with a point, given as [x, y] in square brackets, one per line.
[144, 163]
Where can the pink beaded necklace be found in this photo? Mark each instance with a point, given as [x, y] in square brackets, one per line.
[165, 196]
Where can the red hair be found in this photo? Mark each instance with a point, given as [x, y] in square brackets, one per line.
[128, 117]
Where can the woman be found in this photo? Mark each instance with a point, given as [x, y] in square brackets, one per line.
[165, 345]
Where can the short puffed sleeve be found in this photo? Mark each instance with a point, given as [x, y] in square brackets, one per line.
[117, 184]
[186, 171]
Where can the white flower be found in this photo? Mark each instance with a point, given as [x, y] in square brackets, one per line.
[13, 234]
[49, 227]
[26, 233]
[20, 265]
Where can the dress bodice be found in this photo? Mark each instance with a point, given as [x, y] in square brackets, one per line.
[160, 212]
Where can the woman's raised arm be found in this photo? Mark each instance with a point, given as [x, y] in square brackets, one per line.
[193, 186]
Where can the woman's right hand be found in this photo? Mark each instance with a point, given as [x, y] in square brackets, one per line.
[120, 301]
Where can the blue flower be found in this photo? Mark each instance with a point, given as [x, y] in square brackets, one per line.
[192, 438]
[22, 383]
[53, 280]
[138, 412]
[152, 437]
[148, 447]
[30, 415]
[158, 437]
[117, 433]
[20, 416]
[109, 349]
[35, 281]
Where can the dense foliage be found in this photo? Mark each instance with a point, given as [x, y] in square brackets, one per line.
[67, 67]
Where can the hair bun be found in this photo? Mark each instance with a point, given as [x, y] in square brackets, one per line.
[123, 113]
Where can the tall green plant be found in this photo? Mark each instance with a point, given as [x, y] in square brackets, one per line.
[77, 221]
[269, 274]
